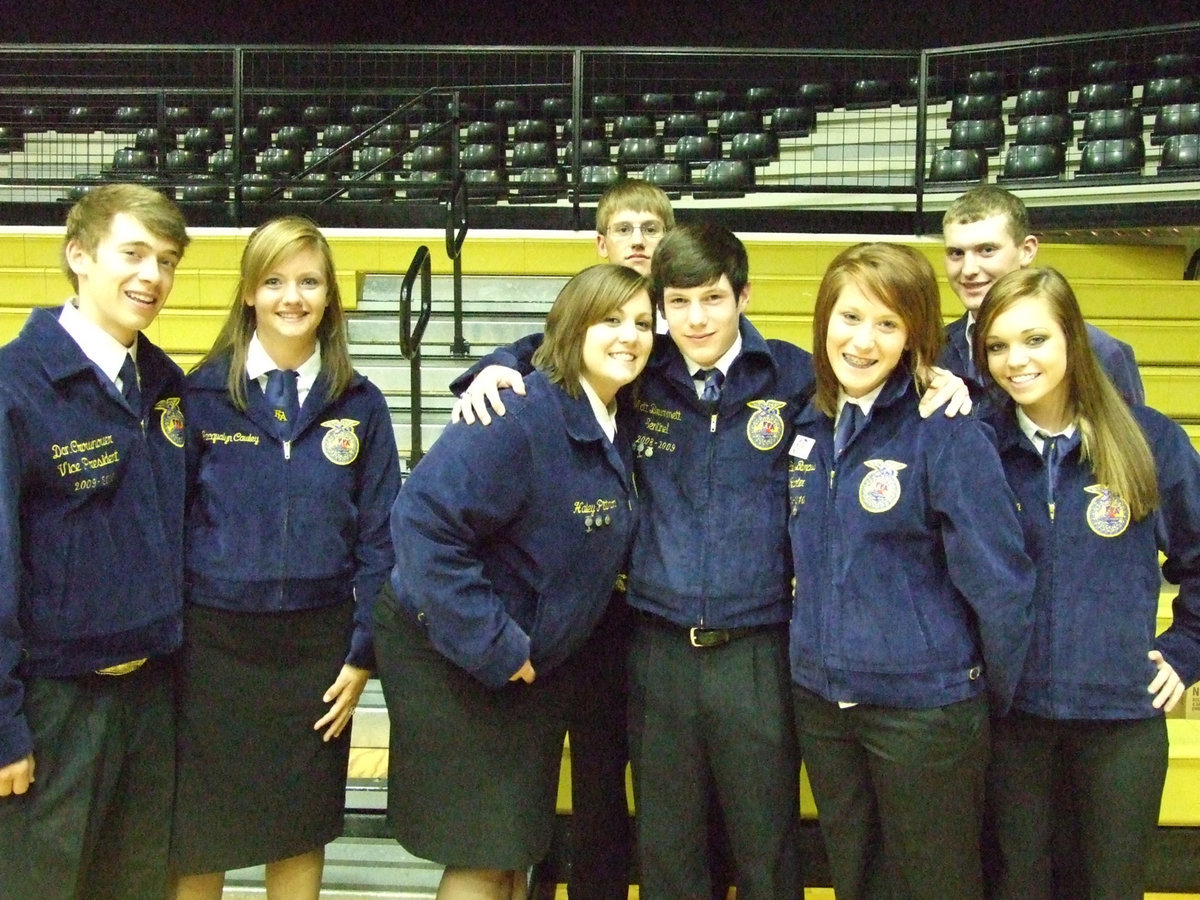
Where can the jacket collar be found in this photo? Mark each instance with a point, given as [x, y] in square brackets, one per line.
[667, 361]
[63, 359]
[214, 376]
[899, 385]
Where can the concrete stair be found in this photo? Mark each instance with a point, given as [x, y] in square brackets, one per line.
[497, 310]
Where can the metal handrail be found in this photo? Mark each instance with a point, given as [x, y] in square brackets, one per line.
[410, 337]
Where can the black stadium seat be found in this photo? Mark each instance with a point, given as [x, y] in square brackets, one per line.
[736, 121]
[793, 121]
[280, 161]
[1035, 161]
[695, 149]
[1102, 124]
[657, 103]
[606, 105]
[762, 98]
[724, 178]
[1042, 76]
[758, 147]
[986, 134]
[589, 127]
[328, 159]
[1180, 155]
[710, 102]
[594, 180]
[484, 155]
[958, 165]
[869, 93]
[1178, 118]
[632, 126]
[987, 81]
[975, 106]
[132, 159]
[679, 124]
[1103, 95]
[592, 151]
[670, 176]
[817, 94]
[533, 154]
[1048, 129]
[556, 108]
[533, 130]
[1040, 102]
[635, 152]
[1172, 89]
[1113, 156]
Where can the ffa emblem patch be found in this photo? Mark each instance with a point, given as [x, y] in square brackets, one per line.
[340, 445]
[880, 490]
[171, 420]
[765, 428]
[1108, 513]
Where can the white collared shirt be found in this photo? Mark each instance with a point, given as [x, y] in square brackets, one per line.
[97, 344]
[723, 363]
[864, 402]
[605, 415]
[1034, 431]
[259, 363]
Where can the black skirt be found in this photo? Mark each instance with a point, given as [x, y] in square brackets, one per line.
[255, 782]
[472, 772]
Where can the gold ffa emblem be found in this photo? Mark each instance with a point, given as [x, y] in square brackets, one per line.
[880, 490]
[1108, 513]
[280, 415]
[765, 428]
[171, 420]
[340, 444]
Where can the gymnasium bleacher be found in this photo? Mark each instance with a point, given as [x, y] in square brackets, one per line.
[802, 152]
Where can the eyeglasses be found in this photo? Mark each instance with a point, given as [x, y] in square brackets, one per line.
[649, 230]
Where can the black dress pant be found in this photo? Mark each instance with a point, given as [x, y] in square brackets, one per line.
[899, 795]
[713, 723]
[601, 834]
[1114, 772]
[96, 823]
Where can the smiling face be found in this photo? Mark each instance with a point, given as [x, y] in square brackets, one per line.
[865, 340]
[124, 284]
[289, 303]
[1027, 356]
[703, 321]
[616, 348]
[630, 239]
[979, 253]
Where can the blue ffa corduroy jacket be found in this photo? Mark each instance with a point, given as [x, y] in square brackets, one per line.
[91, 515]
[712, 548]
[912, 587]
[286, 527]
[509, 538]
[1098, 578]
[1116, 358]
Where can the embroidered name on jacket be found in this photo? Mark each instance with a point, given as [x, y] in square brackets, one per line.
[78, 459]
[879, 491]
[1108, 513]
[596, 513]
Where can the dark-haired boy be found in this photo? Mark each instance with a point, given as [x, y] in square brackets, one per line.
[709, 580]
[91, 513]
